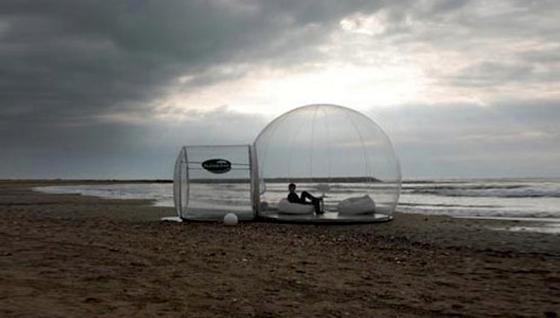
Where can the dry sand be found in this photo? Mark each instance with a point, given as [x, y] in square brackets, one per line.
[71, 256]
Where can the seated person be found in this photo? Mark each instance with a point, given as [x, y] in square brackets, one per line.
[294, 198]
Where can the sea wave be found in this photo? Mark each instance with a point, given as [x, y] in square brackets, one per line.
[510, 191]
[477, 212]
[526, 193]
[507, 198]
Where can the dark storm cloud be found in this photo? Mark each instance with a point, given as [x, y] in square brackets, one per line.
[77, 59]
[73, 59]
[64, 65]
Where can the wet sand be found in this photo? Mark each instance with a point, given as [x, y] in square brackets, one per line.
[70, 255]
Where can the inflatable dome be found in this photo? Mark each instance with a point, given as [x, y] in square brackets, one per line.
[334, 154]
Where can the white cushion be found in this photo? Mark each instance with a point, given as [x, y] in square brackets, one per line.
[356, 205]
[287, 207]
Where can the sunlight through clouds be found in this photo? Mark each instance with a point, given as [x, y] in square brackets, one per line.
[269, 91]
[394, 56]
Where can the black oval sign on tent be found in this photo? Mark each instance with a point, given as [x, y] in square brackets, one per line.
[217, 165]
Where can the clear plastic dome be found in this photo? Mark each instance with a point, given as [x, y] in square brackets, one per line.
[327, 151]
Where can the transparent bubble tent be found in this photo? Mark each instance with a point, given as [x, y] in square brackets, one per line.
[342, 164]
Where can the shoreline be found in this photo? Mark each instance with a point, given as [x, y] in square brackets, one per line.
[545, 225]
[68, 255]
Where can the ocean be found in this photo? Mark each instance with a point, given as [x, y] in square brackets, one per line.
[521, 199]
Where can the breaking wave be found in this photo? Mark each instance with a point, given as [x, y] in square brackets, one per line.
[511, 191]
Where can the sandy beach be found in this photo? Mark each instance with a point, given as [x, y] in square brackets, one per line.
[71, 255]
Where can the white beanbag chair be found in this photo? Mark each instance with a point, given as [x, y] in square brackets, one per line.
[287, 207]
[356, 205]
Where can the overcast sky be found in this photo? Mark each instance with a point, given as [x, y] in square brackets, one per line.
[98, 89]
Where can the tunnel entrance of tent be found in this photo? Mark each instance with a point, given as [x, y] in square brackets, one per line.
[211, 181]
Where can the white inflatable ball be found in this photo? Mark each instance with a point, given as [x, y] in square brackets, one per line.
[230, 219]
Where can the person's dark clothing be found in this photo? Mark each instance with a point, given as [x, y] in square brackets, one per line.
[316, 202]
[293, 198]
